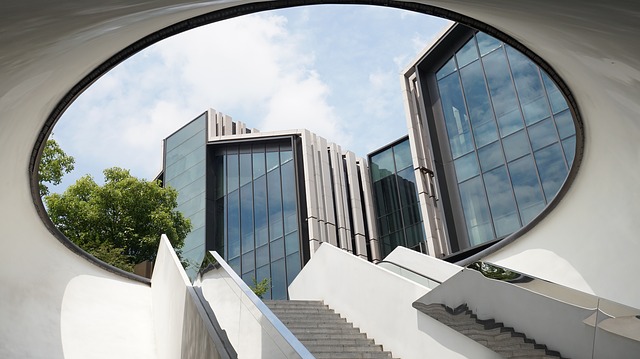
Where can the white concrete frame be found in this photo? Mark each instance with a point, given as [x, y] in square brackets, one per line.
[588, 242]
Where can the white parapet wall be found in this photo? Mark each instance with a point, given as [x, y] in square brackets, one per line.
[379, 302]
[180, 325]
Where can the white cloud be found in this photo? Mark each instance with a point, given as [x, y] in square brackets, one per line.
[251, 68]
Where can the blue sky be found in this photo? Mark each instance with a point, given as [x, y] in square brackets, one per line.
[333, 69]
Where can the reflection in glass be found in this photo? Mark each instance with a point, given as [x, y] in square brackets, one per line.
[552, 169]
[250, 211]
[476, 211]
[511, 106]
[490, 156]
[448, 68]
[516, 145]
[467, 53]
[526, 187]
[396, 197]
[542, 134]
[466, 167]
[487, 43]
[501, 201]
[455, 116]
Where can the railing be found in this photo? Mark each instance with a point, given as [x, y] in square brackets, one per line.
[577, 324]
[253, 330]
[409, 274]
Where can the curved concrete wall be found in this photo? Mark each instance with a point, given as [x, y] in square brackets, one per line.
[587, 242]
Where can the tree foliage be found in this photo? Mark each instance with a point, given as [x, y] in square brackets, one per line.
[121, 221]
[54, 164]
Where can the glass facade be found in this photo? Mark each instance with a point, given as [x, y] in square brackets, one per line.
[256, 212]
[396, 197]
[185, 153]
[510, 137]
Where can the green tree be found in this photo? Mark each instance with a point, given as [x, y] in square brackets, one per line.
[54, 164]
[121, 221]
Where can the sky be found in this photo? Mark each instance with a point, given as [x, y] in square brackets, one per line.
[332, 69]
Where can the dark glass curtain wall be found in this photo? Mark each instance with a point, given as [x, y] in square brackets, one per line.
[256, 215]
[396, 197]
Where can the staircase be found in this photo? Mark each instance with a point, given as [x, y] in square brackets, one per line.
[323, 331]
[495, 336]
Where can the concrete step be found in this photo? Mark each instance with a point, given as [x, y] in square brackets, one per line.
[324, 332]
[494, 335]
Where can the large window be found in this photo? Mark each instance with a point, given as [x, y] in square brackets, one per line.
[185, 152]
[510, 137]
[256, 215]
[396, 198]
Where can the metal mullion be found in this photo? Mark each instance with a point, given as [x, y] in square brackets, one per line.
[473, 139]
[526, 128]
[495, 119]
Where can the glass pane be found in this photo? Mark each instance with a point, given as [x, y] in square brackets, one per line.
[286, 156]
[293, 267]
[292, 242]
[490, 156]
[258, 164]
[558, 103]
[501, 87]
[552, 169]
[188, 176]
[448, 68]
[274, 200]
[529, 86]
[248, 262]
[542, 134]
[235, 264]
[510, 122]
[382, 165]
[407, 187]
[386, 195]
[415, 235]
[501, 201]
[564, 122]
[411, 215]
[289, 205]
[526, 187]
[233, 224]
[246, 217]
[189, 160]
[262, 273]
[278, 280]
[536, 110]
[194, 127]
[245, 168]
[220, 166]
[466, 167]
[485, 133]
[476, 211]
[402, 155]
[273, 161]
[233, 174]
[455, 115]
[192, 144]
[475, 91]
[391, 223]
[516, 145]
[487, 43]
[262, 256]
[569, 146]
[467, 53]
[260, 210]
[277, 249]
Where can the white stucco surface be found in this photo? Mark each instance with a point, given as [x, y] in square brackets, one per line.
[585, 243]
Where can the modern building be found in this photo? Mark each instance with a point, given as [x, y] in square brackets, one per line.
[491, 139]
[265, 201]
